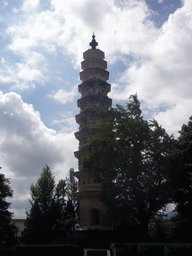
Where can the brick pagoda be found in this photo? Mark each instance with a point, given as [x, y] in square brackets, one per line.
[94, 90]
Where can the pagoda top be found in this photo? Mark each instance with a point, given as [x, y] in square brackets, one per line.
[93, 43]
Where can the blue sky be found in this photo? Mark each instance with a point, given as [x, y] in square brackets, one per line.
[147, 44]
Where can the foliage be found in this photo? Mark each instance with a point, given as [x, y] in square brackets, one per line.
[6, 232]
[161, 229]
[184, 195]
[71, 209]
[63, 249]
[164, 249]
[135, 162]
[49, 213]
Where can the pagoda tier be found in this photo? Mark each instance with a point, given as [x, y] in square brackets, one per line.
[87, 119]
[94, 102]
[89, 73]
[94, 86]
[94, 90]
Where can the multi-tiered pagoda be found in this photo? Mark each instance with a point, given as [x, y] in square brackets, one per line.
[94, 90]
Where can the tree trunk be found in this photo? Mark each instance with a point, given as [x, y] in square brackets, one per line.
[144, 227]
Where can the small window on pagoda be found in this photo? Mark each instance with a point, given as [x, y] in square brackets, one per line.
[84, 182]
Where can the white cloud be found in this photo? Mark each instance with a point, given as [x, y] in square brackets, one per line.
[64, 97]
[29, 5]
[174, 117]
[161, 70]
[162, 78]
[70, 24]
[27, 145]
[25, 74]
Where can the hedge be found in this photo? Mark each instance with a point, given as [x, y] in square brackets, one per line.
[151, 249]
[37, 249]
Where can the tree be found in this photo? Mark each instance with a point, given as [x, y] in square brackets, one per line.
[47, 219]
[5, 214]
[41, 219]
[134, 160]
[71, 210]
[161, 229]
[184, 194]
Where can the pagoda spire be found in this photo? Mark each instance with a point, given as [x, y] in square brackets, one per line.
[93, 43]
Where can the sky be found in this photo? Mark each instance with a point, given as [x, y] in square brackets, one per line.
[147, 45]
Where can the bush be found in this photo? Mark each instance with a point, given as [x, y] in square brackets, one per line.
[51, 249]
[178, 249]
[161, 249]
[150, 249]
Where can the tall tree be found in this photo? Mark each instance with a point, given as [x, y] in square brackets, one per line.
[47, 206]
[5, 214]
[184, 194]
[51, 213]
[71, 210]
[134, 160]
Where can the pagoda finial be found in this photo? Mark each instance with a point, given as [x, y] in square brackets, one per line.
[93, 43]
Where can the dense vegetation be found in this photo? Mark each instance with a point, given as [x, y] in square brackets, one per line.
[53, 209]
[141, 168]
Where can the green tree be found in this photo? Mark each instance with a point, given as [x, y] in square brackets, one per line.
[71, 210]
[43, 214]
[5, 215]
[134, 160]
[184, 194]
[161, 229]
[49, 216]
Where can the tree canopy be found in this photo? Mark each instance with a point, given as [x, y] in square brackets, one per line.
[52, 211]
[135, 162]
[5, 214]
[183, 197]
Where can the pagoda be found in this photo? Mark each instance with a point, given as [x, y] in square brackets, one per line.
[94, 90]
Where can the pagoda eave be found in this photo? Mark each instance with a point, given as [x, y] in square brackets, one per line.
[94, 73]
[86, 132]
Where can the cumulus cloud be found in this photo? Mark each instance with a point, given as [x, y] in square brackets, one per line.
[63, 97]
[29, 5]
[26, 141]
[69, 24]
[25, 74]
[162, 78]
[27, 145]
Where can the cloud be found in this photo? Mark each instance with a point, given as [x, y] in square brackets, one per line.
[25, 74]
[64, 97]
[26, 141]
[29, 5]
[159, 63]
[27, 145]
[61, 27]
[66, 26]
[162, 75]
